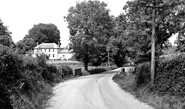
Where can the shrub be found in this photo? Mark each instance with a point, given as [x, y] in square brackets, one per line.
[170, 77]
[168, 90]
[119, 76]
[65, 71]
[4, 99]
[143, 73]
[97, 70]
[25, 81]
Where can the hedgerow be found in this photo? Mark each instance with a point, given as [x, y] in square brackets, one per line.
[168, 91]
[170, 77]
[25, 82]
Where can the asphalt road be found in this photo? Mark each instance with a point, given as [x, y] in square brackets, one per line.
[93, 92]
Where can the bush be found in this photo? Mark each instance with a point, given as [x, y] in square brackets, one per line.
[97, 70]
[25, 81]
[4, 99]
[168, 90]
[170, 77]
[143, 73]
[65, 71]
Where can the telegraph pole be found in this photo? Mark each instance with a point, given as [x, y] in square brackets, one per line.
[108, 49]
[109, 59]
[153, 42]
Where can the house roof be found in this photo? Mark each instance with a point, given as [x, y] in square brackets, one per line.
[47, 45]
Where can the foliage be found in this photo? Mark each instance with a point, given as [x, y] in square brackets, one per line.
[170, 76]
[4, 94]
[139, 25]
[118, 50]
[25, 45]
[5, 37]
[168, 90]
[4, 100]
[143, 74]
[97, 71]
[90, 27]
[40, 33]
[25, 81]
[117, 41]
[170, 50]
[181, 41]
[66, 71]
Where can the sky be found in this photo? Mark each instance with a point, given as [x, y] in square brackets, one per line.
[21, 15]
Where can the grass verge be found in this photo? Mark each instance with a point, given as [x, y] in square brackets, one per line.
[168, 90]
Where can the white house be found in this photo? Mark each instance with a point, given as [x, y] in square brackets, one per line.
[65, 54]
[53, 51]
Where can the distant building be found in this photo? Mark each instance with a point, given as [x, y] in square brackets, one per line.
[65, 54]
[53, 51]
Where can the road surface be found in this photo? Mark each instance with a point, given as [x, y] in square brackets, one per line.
[93, 92]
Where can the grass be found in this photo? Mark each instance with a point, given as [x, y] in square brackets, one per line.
[145, 93]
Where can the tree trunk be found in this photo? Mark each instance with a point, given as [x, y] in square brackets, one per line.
[86, 66]
[86, 61]
[153, 45]
[86, 58]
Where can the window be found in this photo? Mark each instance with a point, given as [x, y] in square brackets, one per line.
[53, 55]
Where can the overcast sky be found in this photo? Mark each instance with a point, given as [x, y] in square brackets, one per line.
[21, 15]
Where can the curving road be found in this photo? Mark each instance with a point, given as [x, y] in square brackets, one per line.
[93, 92]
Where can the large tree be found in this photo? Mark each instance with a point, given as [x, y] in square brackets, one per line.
[5, 37]
[156, 18]
[41, 33]
[25, 45]
[181, 41]
[168, 18]
[118, 42]
[6, 42]
[90, 28]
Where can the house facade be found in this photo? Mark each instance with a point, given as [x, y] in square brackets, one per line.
[64, 54]
[53, 51]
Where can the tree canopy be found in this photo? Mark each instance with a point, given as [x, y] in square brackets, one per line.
[90, 26]
[41, 33]
[137, 34]
[5, 36]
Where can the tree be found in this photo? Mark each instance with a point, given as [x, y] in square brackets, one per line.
[118, 51]
[90, 28]
[117, 41]
[156, 19]
[181, 41]
[25, 45]
[41, 33]
[44, 33]
[5, 37]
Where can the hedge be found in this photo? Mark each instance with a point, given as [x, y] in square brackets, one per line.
[25, 81]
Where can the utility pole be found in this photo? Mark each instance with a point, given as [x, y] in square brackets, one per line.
[108, 49]
[153, 42]
[108, 59]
